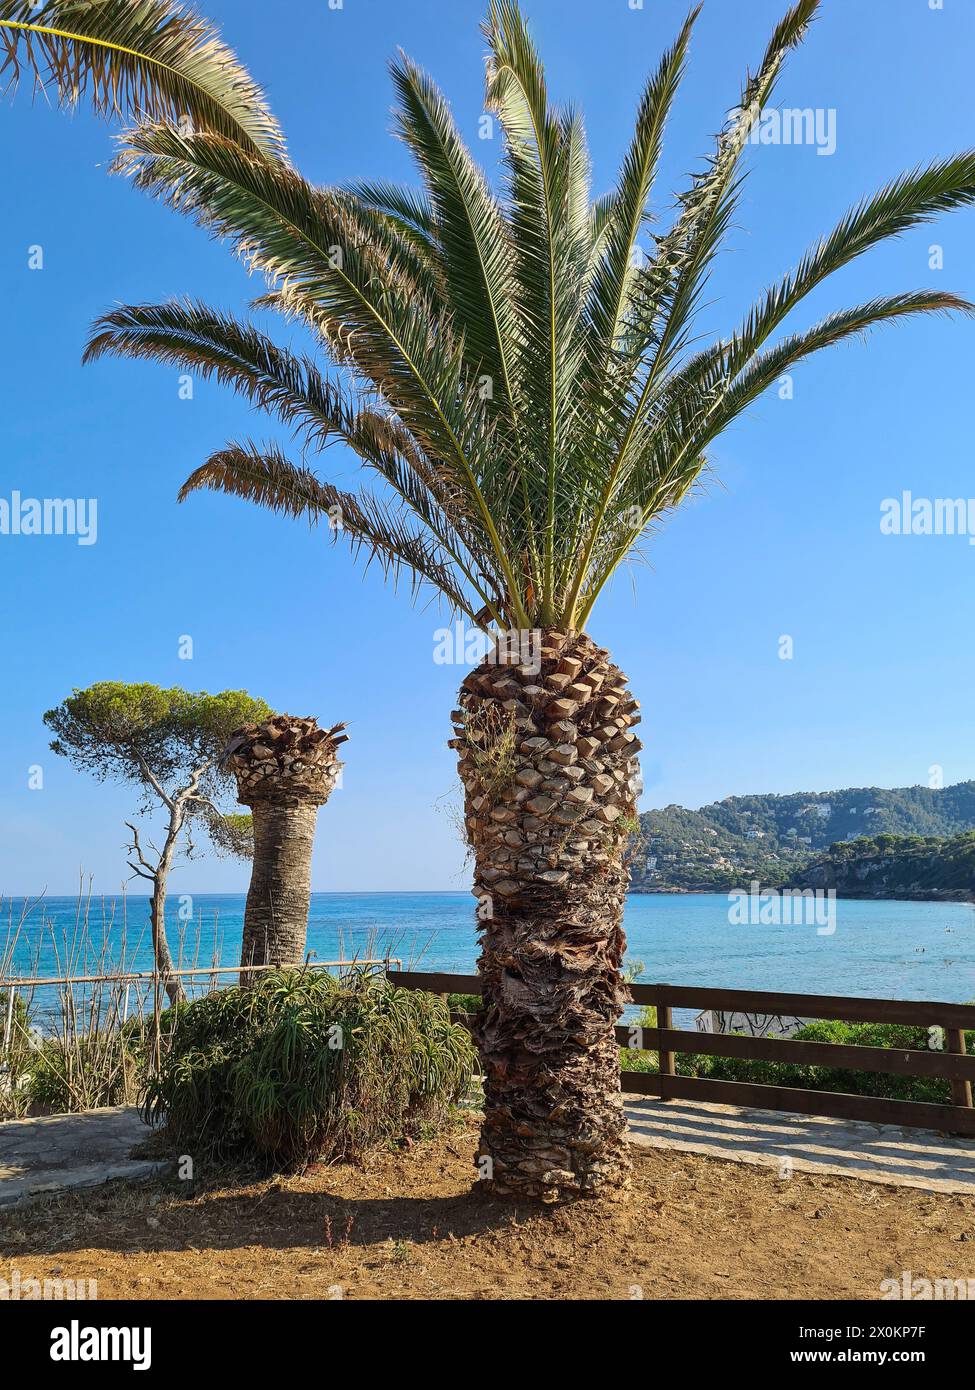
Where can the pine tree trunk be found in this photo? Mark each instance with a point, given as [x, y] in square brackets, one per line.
[162, 955]
[548, 761]
[286, 768]
[160, 944]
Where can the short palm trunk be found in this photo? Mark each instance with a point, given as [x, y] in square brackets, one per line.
[285, 768]
[548, 761]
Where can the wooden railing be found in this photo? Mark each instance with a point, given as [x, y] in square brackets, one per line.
[951, 1063]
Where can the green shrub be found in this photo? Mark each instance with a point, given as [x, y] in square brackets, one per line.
[89, 1071]
[463, 1003]
[303, 1065]
[635, 1058]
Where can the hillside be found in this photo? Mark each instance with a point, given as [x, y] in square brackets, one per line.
[775, 838]
[896, 866]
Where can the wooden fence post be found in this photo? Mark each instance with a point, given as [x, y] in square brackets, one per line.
[961, 1091]
[665, 1019]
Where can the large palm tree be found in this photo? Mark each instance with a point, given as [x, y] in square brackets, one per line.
[522, 382]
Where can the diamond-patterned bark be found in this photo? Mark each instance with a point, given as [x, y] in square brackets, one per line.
[548, 761]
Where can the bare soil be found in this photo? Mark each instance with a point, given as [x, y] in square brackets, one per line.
[407, 1225]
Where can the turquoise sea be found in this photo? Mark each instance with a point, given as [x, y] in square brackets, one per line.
[885, 949]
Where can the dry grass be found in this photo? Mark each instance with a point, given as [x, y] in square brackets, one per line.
[406, 1225]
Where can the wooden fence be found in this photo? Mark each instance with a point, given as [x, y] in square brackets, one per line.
[950, 1063]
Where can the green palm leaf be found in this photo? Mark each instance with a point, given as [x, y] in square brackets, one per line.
[613, 281]
[707, 402]
[199, 338]
[137, 59]
[313, 241]
[264, 476]
[470, 231]
[547, 174]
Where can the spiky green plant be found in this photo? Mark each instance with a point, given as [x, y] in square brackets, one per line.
[302, 1066]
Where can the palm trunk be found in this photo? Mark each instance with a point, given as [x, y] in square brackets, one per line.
[548, 762]
[285, 768]
[276, 915]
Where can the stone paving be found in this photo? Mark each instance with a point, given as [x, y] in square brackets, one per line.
[849, 1148]
[60, 1152]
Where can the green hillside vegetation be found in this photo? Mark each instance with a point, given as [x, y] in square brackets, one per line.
[898, 866]
[776, 839]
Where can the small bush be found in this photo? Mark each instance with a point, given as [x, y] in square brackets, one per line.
[303, 1065]
[89, 1071]
[635, 1058]
[70, 1070]
[469, 1004]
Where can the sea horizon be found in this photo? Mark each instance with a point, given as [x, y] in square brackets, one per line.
[878, 948]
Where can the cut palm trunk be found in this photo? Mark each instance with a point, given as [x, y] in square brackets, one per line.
[548, 760]
[285, 768]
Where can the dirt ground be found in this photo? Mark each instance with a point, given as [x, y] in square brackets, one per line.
[407, 1226]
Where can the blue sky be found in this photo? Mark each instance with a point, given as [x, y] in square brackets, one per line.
[785, 540]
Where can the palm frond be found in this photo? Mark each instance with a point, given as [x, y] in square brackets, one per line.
[409, 208]
[670, 286]
[666, 292]
[137, 60]
[692, 417]
[626, 216]
[311, 241]
[261, 474]
[192, 335]
[767, 367]
[477, 254]
[197, 337]
[912, 199]
[469, 228]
